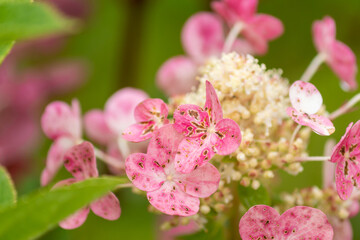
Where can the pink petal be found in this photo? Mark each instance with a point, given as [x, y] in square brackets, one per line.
[145, 172]
[319, 124]
[259, 221]
[202, 182]
[296, 223]
[151, 109]
[61, 120]
[75, 220]
[177, 75]
[228, 136]
[164, 144]
[342, 229]
[203, 36]
[193, 153]
[235, 10]
[190, 228]
[96, 127]
[170, 199]
[342, 60]
[243, 46]
[139, 132]
[266, 26]
[304, 223]
[212, 104]
[305, 97]
[55, 158]
[259, 45]
[354, 139]
[107, 207]
[324, 32]
[338, 151]
[191, 120]
[344, 183]
[80, 161]
[119, 109]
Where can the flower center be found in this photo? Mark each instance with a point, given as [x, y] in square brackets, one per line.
[211, 129]
[169, 177]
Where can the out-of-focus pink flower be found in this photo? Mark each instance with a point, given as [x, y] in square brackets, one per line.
[180, 230]
[206, 132]
[337, 55]
[106, 127]
[202, 37]
[61, 123]
[167, 190]
[306, 100]
[346, 155]
[258, 29]
[264, 222]
[150, 115]
[80, 161]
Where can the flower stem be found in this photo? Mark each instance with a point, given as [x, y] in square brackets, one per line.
[345, 108]
[108, 159]
[312, 159]
[231, 37]
[293, 136]
[313, 67]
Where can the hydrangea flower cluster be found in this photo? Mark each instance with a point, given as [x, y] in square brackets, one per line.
[253, 123]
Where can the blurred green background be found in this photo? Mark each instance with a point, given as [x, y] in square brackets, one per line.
[126, 41]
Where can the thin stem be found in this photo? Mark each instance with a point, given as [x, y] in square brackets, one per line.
[313, 67]
[124, 185]
[293, 136]
[312, 159]
[345, 108]
[231, 37]
[108, 159]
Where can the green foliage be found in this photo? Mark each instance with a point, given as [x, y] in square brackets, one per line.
[39, 212]
[7, 190]
[250, 197]
[5, 47]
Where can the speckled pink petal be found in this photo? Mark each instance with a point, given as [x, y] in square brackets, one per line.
[139, 132]
[177, 75]
[164, 144]
[151, 109]
[171, 200]
[305, 97]
[344, 183]
[75, 220]
[119, 108]
[80, 161]
[296, 223]
[203, 36]
[319, 124]
[107, 207]
[228, 136]
[193, 153]
[342, 60]
[304, 223]
[259, 221]
[353, 142]
[96, 127]
[55, 158]
[191, 120]
[202, 182]
[145, 172]
[342, 228]
[339, 150]
[235, 10]
[324, 32]
[266, 26]
[62, 120]
[212, 104]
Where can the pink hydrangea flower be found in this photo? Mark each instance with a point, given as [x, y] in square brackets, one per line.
[258, 29]
[346, 155]
[167, 190]
[106, 127]
[61, 123]
[150, 115]
[306, 100]
[80, 161]
[202, 37]
[337, 55]
[206, 133]
[264, 222]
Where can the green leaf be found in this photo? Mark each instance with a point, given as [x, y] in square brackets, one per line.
[5, 47]
[39, 212]
[21, 20]
[7, 189]
[250, 197]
